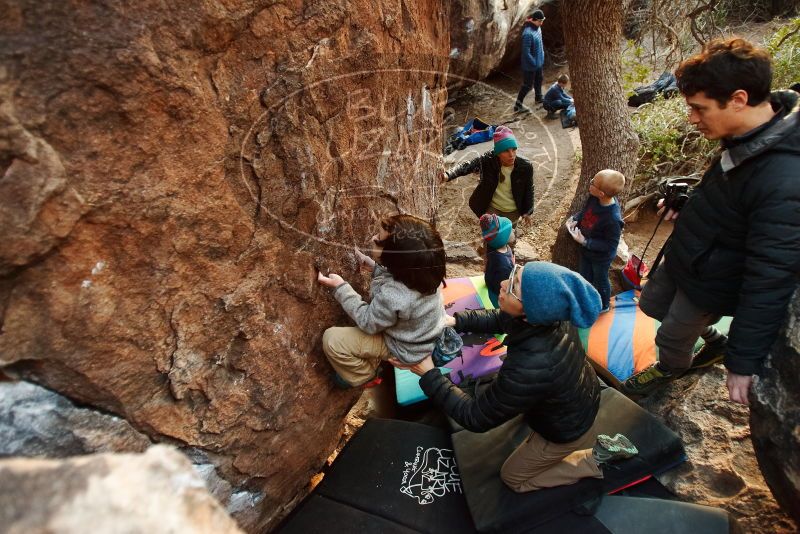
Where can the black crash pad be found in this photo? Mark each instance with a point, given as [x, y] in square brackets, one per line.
[402, 472]
[320, 515]
[495, 508]
[634, 515]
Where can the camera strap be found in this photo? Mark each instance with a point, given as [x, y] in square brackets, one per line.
[660, 252]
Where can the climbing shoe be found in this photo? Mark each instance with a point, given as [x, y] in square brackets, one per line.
[607, 449]
[647, 380]
[710, 353]
[340, 382]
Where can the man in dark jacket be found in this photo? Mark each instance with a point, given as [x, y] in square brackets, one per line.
[546, 377]
[506, 180]
[735, 249]
[532, 59]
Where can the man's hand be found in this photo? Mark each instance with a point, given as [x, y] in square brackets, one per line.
[332, 280]
[525, 220]
[670, 216]
[419, 368]
[449, 321]
[570, 224]
[443, 176]
[576, 234]
[364, 261]
[739, 387]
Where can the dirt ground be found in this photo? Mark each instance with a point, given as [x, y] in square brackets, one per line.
[551, 149]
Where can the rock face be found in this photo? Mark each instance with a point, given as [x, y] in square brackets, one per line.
[35, 421]
[156, 492]
[479, 34]
[172, 174]
[722, 469]
[775, 416]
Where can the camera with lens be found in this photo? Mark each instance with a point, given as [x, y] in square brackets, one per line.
[677, 195]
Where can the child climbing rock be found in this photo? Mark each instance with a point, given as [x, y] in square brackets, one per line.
[406, 314]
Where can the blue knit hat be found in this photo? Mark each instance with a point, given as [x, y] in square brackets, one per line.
[503, 139]
[495, 230]
[552, 293]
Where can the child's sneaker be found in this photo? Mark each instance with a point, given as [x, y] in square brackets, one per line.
[340, 382]
[608, 449]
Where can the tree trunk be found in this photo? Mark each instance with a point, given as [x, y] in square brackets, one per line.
[593, 31]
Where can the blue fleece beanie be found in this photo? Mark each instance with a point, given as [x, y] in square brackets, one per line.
[552, 293]
[495, 230]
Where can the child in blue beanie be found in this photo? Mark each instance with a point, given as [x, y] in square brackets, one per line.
[546, 377]
[498, 234]
[597, 228]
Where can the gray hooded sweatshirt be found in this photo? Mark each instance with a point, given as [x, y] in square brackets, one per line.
[410, 321]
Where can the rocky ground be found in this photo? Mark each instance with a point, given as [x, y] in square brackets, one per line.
[722, 470]
[544, 142]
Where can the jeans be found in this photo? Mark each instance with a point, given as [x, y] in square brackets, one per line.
[555, 105]
[682, 322]
[596, 273]
[531, 79]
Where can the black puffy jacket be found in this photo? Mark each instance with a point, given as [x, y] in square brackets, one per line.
[489, 168]
[545, 376]
[735, 249]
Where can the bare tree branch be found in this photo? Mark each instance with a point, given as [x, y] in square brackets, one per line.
[785, 37]
[694, 15]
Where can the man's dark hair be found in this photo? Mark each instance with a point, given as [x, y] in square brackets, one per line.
[725, 66]
[413, 252]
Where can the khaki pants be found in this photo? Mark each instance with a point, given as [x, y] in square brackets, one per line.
[354, 355]
[538, 463]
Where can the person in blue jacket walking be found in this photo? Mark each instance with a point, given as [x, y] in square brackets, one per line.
[532, 59]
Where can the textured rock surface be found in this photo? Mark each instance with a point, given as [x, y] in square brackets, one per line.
[775, 416]
[479, 33]
[722, 469]
[155, 492]
[35, 421]
[171, 175]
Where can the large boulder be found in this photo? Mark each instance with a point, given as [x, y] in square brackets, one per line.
[775, 415]
[552, 36]
[155, 492]
[172, 174]
[722, 470]
[479, 34]
[35, 421]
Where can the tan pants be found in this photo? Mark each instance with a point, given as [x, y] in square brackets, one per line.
[538, 463]
[354, 355]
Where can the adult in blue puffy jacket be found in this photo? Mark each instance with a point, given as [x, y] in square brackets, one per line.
[532, 59]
